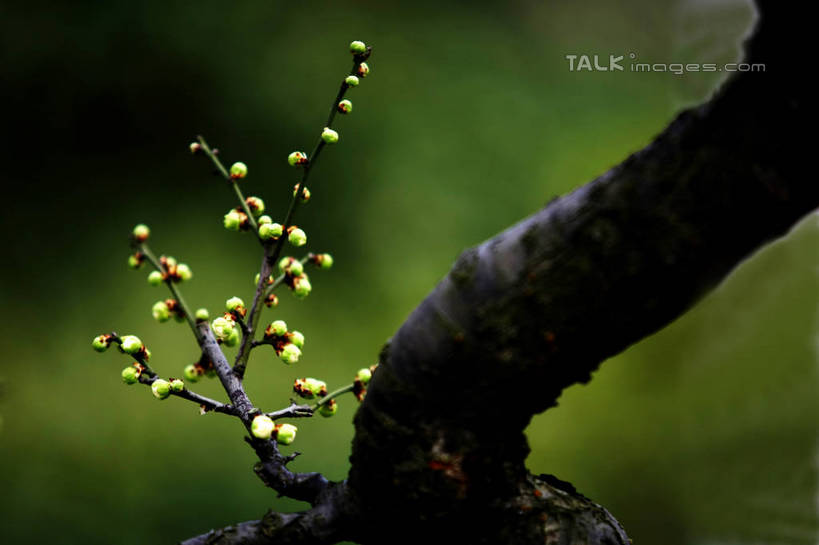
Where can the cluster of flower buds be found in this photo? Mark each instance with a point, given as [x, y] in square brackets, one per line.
[162, 311]
[310, 388]
[268, 229]
[362, 379]
[225, 329]
[263, 427]
[287, 344]
[171, 272]
[295, 277]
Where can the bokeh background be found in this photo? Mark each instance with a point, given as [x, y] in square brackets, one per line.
[705, 433]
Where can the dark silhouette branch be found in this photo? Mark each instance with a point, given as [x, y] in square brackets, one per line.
[541, 305]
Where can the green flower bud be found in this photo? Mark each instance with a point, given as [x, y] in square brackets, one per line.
[191, 373]
[297, 237]
[141, 232]
[296, 268]
[297, 158]
[256, 206]
[233, 338]
[234, 304]
[328, 409]
[276, 329]
[155, 278]
[223, 327]
[363, 70]
[177, 385]
[358, 47]
[309, 388]
[233, 220]
[262, 427]
[101, 343]
[161, 388]
[264, 219]
[290, 354]
[161, 312]
[169, 261]
[271, 301]
[325, 261]
[195, 147]
[352, 81]
[345, 106]
[297, 338]
[131, 344]
[269, 231]
[364, 375]
[302, 287]
[305, 193]
[329, 135]
[184, 272]
[285, 262]
[130, 375]
[286, 433]
[136, 260]
[238, 170]
[202, 315]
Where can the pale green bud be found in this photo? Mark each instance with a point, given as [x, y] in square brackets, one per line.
[351, 81]
[177, 385]
[329, 135]
[233, 338]
[297, 158]
[136, 260]
[256, 206]
[130, 375]
[296, 268]
[328, 409]
[358, 47]
[184, 272]
[325, 261]
[276, 329]
[131, 344]
[234, 304]
[101, 343]
[285, 262]
[268, 231]
[238, 170]
[262, 427]
[364, 375]
[161, 388]
[286, 433]
[232, 220]
[302, 287]
[155, 278]
[309, 388]
[265, 219]
[345, 106]
[290, 354]
[297, 338]
[161, 312]
[141, 232]
[191, 373]
[363, 70]
[305, 192]
[202, 315]
[297, 237]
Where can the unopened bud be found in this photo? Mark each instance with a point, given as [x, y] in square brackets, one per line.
[325, 261]
[271, 301]
[345, 106]
[262, 427]
[195, 147]
[236, 305]
[269, 231]
[302, 287]
[233, 338]
[130, 375]
[177, 385]
[328, 409]
[136, 260]
[297, 237]
[290, 354]
[238, 170]
[131, 344]
[161, 388]
[329, 135]
[256, 206]
[233, 220]
[363, 70]
[297, 158]
[276, 329]
[202, 315]
[364, 375]
[183, 271]
[309, 388]
[161, 312]
[155, 278]
[192, 373]
[141, 233]
[358, 47]
[352, 81]
[286, 433]
[101, 343]
[223, 327]
[305, 193]
[265, 219]
[297, 338]
[295, 268]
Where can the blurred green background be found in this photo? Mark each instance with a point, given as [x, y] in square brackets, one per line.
[705, 433]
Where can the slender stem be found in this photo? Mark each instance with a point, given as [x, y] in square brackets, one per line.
[206, 402]
[334, 394]
[226, 175]
[293, 411]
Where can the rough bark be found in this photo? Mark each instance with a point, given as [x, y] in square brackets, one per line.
[439, 448]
